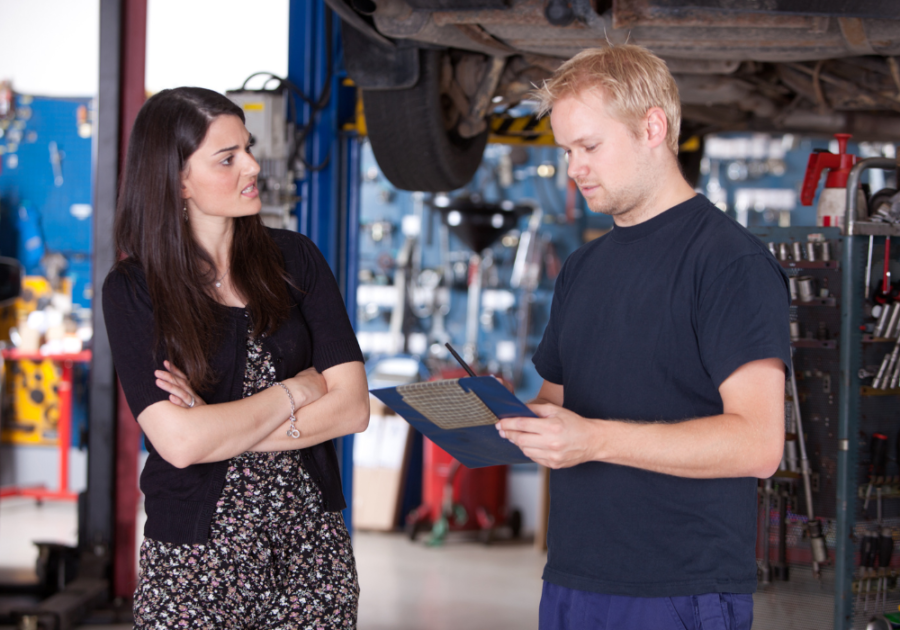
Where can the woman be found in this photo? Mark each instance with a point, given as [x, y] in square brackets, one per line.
[237, 358]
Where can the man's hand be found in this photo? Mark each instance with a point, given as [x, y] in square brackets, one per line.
[557, 438]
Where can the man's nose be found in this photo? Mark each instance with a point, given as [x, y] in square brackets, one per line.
[576, 166]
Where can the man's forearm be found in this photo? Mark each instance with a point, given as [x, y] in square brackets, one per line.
[726, 445]
[746, 440]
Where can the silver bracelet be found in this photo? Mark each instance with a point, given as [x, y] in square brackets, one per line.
[292, 432]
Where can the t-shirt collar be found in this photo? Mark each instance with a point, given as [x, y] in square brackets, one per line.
[636, 232]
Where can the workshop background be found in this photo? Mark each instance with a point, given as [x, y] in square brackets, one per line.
[438, 545]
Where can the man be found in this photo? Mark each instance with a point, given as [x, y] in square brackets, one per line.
[664, 369]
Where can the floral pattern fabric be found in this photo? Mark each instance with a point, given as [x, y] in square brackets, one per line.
[275, 558]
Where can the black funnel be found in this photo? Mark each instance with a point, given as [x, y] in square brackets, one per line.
[479, 224]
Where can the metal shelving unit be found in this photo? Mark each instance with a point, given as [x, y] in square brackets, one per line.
[836, 407]
[851, 391]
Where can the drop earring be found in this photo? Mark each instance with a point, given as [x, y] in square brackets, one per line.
[185, 213]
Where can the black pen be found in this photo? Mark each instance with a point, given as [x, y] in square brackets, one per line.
[459, 358]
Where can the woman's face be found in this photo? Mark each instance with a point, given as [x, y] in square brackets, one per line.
[219, 179]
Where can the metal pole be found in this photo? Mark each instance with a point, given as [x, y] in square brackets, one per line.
[96, 526]
[349, 280]
[848, 427]
[814, 527]
[328, 210]
[853, 185]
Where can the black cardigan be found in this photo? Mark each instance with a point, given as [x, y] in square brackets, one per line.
[180, 503]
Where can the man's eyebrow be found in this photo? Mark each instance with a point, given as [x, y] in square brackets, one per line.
[234, 148]
[583, 140]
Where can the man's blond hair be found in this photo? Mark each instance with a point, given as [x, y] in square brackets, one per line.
[631, 80]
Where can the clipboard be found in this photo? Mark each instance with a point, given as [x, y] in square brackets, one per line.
[459, 416]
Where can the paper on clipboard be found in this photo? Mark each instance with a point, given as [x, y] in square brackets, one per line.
[458, 415]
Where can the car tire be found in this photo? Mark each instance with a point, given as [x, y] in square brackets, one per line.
[411, 144]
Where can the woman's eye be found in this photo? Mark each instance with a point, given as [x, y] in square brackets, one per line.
[227, 161]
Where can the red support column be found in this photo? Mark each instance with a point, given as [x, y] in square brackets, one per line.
[128, 433]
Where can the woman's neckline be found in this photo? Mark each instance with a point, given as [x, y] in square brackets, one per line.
[233, 308]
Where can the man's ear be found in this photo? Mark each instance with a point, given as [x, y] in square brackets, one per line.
[656, 126]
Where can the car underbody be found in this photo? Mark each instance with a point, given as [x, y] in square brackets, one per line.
[798, 66]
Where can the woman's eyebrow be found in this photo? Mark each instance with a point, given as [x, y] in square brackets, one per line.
[234, 148]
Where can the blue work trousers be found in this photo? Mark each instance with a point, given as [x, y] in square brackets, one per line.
[569, 609]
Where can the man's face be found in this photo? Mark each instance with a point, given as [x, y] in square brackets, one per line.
[606, 160]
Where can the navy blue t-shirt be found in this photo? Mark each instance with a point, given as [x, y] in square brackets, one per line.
[646, 323]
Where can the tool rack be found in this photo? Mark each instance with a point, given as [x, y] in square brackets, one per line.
[840, 413]
[855, 404]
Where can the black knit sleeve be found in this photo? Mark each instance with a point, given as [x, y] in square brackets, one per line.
[321, 304]
[744, 316]
[547, 358]
[128, 314]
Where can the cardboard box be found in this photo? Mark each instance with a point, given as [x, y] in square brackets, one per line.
[380, 458]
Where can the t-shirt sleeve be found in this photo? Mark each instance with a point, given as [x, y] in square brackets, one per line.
[744, 316]
[322, 306]
[546, 358]
[128, 314]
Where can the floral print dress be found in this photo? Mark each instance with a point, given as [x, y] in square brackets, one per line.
[275, 559]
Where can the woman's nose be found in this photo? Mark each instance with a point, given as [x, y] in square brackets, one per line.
[252, 166]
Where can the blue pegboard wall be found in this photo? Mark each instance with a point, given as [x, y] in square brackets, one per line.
[46, 203]
[507, 173]
[46, 207]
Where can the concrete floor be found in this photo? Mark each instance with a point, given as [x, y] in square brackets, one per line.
[408, 586]
[404, 585]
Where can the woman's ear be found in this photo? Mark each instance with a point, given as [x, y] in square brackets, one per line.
[185, 187]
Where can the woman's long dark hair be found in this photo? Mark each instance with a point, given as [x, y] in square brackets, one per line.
[150, 230]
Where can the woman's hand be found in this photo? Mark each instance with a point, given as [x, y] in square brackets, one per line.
[176, 383]
[307, 387]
